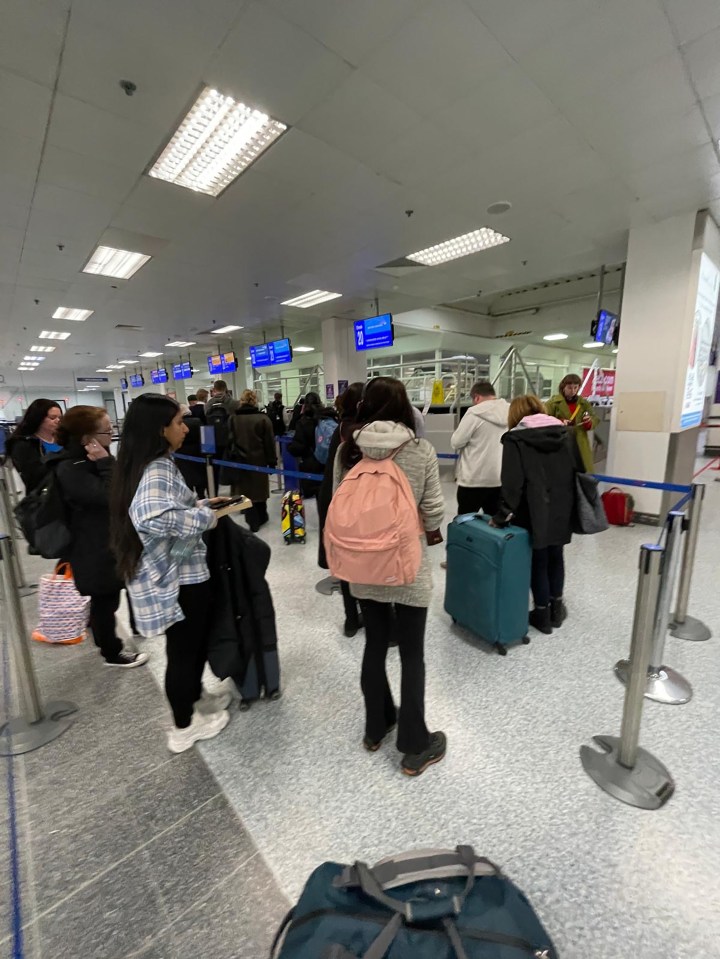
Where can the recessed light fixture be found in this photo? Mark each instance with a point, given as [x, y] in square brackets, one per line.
[225, 329]
[615, 350]
[311, 299]
[303, 349]
[592, 345]
[464, 245]
[181, 343]
[107, 370]
[26, 369]
[115, 366]
[128, 362]
[149, 354]
[107, 261]
[218, 139]
[68, 313]
[52, 335]
[497, 209]
[33, 359]
[551, 337]
[42, 349]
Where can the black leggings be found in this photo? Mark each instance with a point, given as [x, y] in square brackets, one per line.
[406, 624]
[352, 613]
[548, 574]
[187, 652]
[102, 624]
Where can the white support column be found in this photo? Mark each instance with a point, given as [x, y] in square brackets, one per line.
[341, 361]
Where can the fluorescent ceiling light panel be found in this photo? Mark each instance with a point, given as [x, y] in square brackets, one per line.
[551, 337]
[115, 366]
[52, 335]
[464, 245]
[33, 359]
[149, 353]
[122, 264]
[311, 299]
[108, 370]
[226, 329]
[26, 369]
[128, 362]
[42, 349]
[303, 349]
[592, 345]
[218, 139]
[68, 313]
[181, 343]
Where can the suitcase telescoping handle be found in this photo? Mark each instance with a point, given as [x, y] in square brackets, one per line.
[418, 867]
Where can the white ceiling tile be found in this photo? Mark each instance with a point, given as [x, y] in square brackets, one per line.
[31, 38]
[357, 115]
[662, 137]
[521, 25]
[84, 174]
[693, 18]
[424, 152]
[704, 63]
[82, 128]
[615, 42]
[18, 168]
[275, 66]
[24, 106]
[454, 49]
[304, 160]
[349, 28]
[690, 195]
[672, 173]
[157, 208]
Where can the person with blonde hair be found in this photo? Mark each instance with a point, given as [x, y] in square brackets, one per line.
[539, 463]
[251, 441]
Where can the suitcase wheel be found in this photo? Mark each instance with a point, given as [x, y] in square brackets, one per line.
[526, 640]
[502, 650]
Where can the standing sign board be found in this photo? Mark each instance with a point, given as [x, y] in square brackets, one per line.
[604, 384]
[693, 399]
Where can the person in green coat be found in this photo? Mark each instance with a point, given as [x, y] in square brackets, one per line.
[576, 412]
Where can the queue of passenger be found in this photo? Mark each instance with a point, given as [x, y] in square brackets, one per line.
[139, 524]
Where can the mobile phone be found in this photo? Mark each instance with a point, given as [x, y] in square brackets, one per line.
[228, 502]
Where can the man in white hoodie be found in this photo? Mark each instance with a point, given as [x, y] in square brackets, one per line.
[477, 440]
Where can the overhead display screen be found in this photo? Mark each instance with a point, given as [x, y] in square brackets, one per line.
[271, 354]
[605, 327]
[182, 371]
[137, 379]
[222, 363]
[159, 376]
[374, 333]
[123, 383]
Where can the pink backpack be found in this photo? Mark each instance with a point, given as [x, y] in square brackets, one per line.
[372, 530]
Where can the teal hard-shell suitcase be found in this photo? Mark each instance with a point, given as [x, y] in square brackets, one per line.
[488, 580]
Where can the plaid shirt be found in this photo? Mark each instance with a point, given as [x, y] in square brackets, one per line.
[170, 525]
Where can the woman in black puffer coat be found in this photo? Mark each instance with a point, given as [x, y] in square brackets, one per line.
[302, 445]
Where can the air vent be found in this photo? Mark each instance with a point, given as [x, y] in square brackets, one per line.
[129, 326]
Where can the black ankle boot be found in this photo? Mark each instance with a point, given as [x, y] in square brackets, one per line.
[558, 612]
[540, 619]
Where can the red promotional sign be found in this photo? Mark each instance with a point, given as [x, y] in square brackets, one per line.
[603, 385]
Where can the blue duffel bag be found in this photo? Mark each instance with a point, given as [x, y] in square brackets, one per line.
[444, 904]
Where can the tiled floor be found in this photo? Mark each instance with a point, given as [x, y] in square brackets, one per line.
[128, 852]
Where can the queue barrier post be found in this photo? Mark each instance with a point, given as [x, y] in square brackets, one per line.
[621, 767]
[684, 626]
[7, 519]
[40, 724]
[664, 685]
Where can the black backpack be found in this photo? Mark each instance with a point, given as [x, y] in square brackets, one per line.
[42, 516]
[218, 417]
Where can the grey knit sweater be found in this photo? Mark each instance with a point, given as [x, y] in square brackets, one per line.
[418, 461]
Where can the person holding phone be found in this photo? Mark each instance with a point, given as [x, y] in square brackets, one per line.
[576, 413]
[157, 524]
[84, 472]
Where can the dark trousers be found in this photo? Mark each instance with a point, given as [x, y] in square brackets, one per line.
[350, 604]
[548, 574]
[406, 624]
[102, 624]
[473, 498]
[187, 652]
[257, 515]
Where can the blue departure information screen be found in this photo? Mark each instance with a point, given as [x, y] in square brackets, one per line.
[159, 376]
[271, 354]
[374, 333]
[606, 326]
[137, 379]
[182, 371]
[222, 363]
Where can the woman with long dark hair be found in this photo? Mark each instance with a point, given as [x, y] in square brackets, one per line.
[33, 440]
[156, 534]
[84, 472]
[346, 404]
[385, 426]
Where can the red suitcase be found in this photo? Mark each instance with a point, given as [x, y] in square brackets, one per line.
[618, 507]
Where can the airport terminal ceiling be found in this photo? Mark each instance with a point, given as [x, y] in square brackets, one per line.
[588, 117]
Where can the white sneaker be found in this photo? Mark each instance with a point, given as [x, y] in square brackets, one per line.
[213, 702]
[201, 727]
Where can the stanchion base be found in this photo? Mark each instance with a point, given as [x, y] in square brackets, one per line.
[664, 685]
[328, 586]
[648, 785]
[692, 629]
[18, 736]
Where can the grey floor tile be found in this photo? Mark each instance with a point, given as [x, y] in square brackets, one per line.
[116, 915]
[163, 947]
[216, 926]
[170, 792]
[197, 853]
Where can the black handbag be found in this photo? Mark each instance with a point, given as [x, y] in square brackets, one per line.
[589, 513]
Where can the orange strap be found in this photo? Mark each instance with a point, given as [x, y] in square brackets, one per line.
[64, 570]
